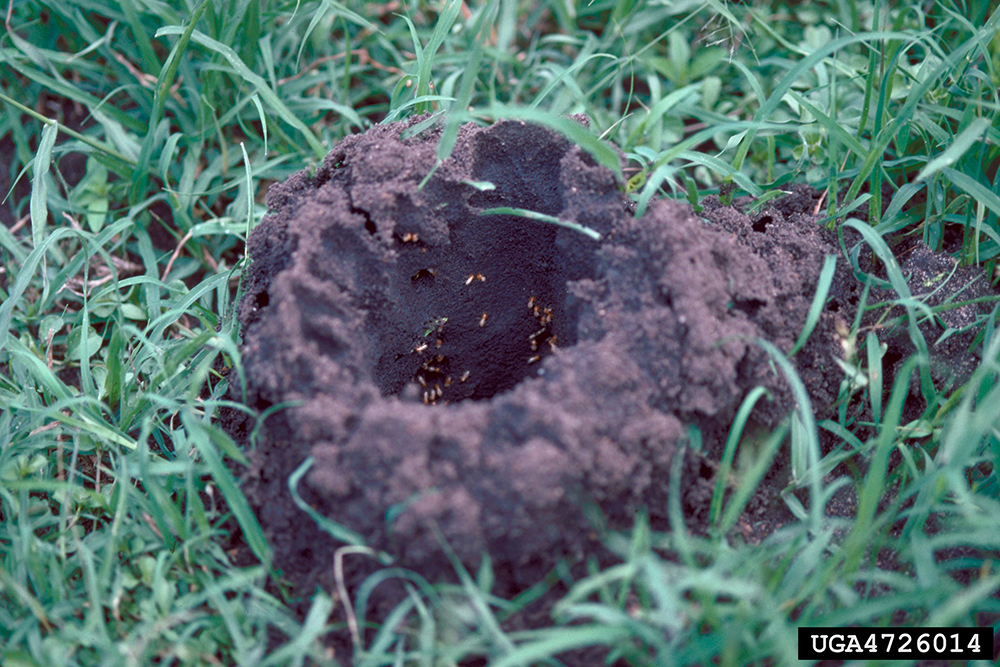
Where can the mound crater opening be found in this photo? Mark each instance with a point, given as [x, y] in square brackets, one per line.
[471, 317]
[563, 370]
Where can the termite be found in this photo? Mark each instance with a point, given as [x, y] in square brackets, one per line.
[482, 320]
[465, 376]
[410, 237]
[420, 348]
[531, 303]
[422, 381]
[534, 358]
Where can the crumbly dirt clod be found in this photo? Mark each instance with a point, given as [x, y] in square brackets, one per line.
[490, 376]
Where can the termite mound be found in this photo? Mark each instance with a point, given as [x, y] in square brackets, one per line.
[563, 371]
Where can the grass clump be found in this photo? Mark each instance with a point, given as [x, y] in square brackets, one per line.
[138, 139]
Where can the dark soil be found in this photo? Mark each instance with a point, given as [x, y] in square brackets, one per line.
[484, 379]
[937, 280]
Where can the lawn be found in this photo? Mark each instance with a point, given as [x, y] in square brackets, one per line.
[138, 140]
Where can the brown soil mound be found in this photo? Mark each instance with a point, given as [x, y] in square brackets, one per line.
[494, 375]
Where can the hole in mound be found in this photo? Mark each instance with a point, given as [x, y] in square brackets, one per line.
[748, 306]
[472, 318]
[471, 304]
[761, 223]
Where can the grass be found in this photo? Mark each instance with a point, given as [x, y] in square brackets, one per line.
[141, 137]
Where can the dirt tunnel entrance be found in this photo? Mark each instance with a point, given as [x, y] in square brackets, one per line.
[475, 304]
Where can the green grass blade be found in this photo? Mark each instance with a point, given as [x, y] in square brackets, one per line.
[566, 74]
[898, 282]
[24, 278]
[974, 188]
[467, 86]
[768, 108]
[255, 98]
[542, 217]
[904, 115]
[313, 629]
[113, 384]
[818, 303]
[752, 478]
[425, 59]
[831, 125]
[62, 89]
[805, 448]
[160, 94]
[726, 171]
[729, 452]
[874, 352]
[874, 483]
[268, 96]
[151, 63]
[204, 436]
[662, 106]
[962, 143]
[39, 186]
[339, 10]
[550, 644]
[661, 167]
[332, 528]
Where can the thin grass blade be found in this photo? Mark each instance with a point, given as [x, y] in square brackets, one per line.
[818, 303]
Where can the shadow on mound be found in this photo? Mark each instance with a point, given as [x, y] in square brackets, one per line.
[495, 376]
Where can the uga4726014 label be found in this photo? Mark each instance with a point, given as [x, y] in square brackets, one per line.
[896, 643]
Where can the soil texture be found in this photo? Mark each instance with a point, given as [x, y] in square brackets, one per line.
[491, 375]
[952, 332]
